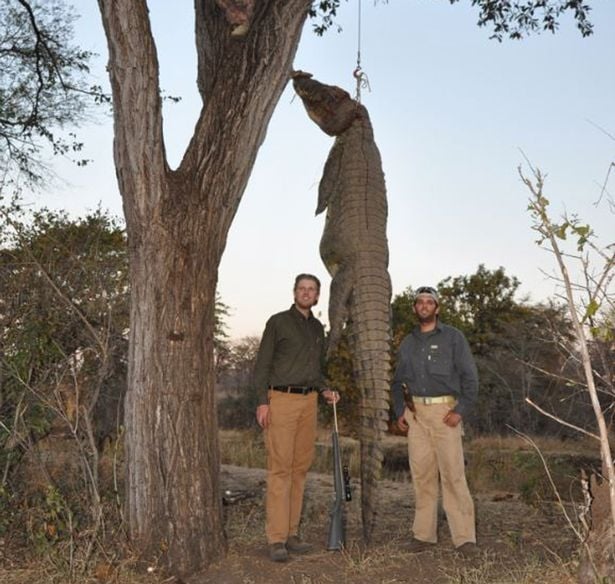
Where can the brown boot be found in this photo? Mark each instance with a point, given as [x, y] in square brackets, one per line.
[296, 545]
[277, 552]
[468, 549]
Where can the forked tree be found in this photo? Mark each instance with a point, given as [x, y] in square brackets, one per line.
[177, 223]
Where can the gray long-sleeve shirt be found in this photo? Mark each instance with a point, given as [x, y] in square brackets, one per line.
[436, 363]
[292, 352]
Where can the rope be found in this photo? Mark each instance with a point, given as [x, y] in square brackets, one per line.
[358, 73]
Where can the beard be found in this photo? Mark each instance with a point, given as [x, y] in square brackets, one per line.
[427, 319]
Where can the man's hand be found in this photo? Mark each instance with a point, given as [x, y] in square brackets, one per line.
[263, 416]
[402, 424]
[331, 397]
[452, 419]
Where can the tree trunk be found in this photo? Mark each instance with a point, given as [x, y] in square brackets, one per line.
[598, 557]
[177, 224]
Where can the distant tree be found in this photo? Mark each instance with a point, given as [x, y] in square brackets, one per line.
[340, 377]
[43, 86]
[63, 313]
[514, 367]
[478, 304]
[222, 346]
[237, 399]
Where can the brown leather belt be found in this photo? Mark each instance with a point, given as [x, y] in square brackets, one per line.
[299, 389]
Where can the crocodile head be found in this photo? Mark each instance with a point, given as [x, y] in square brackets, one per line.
[330, 107]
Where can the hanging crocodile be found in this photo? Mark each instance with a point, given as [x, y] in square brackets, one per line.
[355, 251]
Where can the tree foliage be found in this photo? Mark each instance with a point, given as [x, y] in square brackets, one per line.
[478, 304]
[520, 18]
[43, 86]
[63, 317]
[237, 400]
[514, 20]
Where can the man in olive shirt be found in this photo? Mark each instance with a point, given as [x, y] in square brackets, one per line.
[437, 372]
[288, 377]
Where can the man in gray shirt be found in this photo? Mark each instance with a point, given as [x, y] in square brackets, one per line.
[434, 388]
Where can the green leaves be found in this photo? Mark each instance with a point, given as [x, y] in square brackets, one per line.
[518, 19]
[560, 231]
[326, 11]
[591, 309]
[42, 86]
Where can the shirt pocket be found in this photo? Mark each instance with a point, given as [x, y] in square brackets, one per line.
[439, 361]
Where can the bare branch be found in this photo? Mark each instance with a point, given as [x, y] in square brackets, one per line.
[560, 421]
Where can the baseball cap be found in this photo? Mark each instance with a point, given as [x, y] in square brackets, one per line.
[427, 291]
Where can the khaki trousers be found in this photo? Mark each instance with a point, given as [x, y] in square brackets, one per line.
[290, 441]
[436, 449]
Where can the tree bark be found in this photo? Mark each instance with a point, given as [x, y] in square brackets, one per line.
[598, 555]
[177, 223]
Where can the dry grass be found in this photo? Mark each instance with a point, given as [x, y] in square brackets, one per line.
[546, 445]
[242, 448]
[512, 532]
[491, 570]
[495, 463]
[246, 448]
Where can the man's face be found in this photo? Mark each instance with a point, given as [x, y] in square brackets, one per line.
[426, 308]
[306, 294]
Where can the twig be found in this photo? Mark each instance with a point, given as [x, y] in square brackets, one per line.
[560, 421]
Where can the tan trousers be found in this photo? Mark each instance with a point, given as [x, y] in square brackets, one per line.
[290, 441]
[435, 451]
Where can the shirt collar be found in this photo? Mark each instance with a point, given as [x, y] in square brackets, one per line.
[417, 329]
[297, 314]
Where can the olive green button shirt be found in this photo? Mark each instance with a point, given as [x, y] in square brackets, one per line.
[292, 352]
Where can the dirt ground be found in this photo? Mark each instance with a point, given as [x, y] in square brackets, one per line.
[518, 543]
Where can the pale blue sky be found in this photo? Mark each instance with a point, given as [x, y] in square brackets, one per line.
[451, 111]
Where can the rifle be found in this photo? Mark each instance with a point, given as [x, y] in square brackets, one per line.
[341, 480]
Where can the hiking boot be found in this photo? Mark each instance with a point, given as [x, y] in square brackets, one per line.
[296, 545]
[468, 549]
[416, 545]
[277, 552]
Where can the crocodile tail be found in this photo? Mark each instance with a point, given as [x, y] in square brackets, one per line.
[370, 340]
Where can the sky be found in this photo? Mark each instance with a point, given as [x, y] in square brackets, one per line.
[454, 114]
